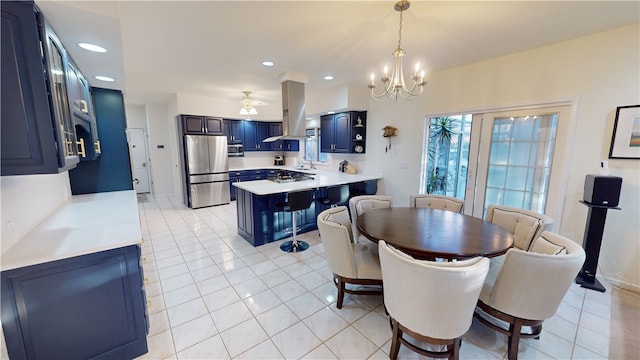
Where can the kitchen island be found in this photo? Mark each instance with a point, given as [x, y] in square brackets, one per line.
[259, 219]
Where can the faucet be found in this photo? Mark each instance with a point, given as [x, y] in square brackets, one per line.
[310, 160]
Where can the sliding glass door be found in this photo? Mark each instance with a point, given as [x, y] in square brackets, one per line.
[514, 158]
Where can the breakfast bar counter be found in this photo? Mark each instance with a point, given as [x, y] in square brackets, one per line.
[261, 222]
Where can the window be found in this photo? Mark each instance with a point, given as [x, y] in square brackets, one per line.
[312, 147]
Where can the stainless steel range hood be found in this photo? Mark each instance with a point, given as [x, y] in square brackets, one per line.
[293, 115]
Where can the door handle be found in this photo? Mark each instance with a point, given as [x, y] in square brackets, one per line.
[136, 181]
[144, 164]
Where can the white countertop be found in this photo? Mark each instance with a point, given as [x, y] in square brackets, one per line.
[85, 224]
[322, 178]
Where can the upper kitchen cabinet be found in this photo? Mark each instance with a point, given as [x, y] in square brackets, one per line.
[343, 132]
[64, 130]
[254, 133]
[201, 125]
[37, 131]
[83, 114]
[234, 130]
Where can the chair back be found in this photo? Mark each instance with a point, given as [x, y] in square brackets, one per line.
[531, 284]
[299, 200]
[434, 299]
[338, 194]
[359, 204]
[525, 225]
[436, 202]
[335, 234]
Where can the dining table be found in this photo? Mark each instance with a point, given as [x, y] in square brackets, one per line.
[426, 233]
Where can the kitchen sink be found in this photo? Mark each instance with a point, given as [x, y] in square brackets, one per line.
[288, 179]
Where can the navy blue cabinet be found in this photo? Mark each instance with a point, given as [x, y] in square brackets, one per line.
[275, 129]
[112, 171]
[201, 125]
[234, 130]
[86, 307]
[343, 132]
[32, 142]
[254, 133]
[84, 118]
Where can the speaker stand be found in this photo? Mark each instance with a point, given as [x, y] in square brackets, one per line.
[592, 240]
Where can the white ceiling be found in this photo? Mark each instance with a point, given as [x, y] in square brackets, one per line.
[215, 48]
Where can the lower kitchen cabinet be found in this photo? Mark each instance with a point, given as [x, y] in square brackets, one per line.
[86, 307]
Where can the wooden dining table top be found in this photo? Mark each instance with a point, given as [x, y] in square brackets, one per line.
[430, 233]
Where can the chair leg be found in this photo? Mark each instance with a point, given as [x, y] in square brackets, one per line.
[514, 339]
[341, 286]
[396, 333]
[455, 349]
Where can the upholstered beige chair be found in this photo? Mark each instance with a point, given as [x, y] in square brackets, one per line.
[350, 263]
[359, 204]
[436, 202]
[529, 287]
[432, 302]
[525, 225]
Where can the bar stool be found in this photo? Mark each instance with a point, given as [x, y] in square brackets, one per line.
[336, 195]
[296, 201]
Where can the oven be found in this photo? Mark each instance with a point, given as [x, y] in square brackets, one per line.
[235, 150]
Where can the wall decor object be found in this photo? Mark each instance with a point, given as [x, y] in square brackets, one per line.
[388, 132]
[625, 141]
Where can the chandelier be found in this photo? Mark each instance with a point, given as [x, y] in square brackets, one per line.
[247, 105]
[394, 85]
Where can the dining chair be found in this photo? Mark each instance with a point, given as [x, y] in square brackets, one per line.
[359, 204]
[528, 287]
[436, 202]
[525, 225]
[350, 263]
[433, 302]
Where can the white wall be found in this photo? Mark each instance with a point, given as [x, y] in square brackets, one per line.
[162, 145]
[27, 200]
[601, 70]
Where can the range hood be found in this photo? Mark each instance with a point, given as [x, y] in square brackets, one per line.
[293, 116]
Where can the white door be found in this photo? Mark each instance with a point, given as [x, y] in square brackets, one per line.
[521, 160]
[137, 139]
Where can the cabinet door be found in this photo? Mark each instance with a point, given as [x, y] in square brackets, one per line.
[275, 129]
[213, 125]
[193, 124]
[64, 129]
[262, 132]
[234, 130]
[249, 139]
[327, 129]
[291, 145]
[342, 133]
[28, 145]
[89, 306]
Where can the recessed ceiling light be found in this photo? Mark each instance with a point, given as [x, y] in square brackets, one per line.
[330, 112]
[328, 77]
[91, 47]
[267, 63]
[104, 78]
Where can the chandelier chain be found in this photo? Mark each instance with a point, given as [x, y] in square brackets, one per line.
[400, 30]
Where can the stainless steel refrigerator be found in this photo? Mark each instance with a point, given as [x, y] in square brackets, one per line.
[207, 166]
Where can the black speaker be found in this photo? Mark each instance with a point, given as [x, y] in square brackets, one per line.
[602, 190]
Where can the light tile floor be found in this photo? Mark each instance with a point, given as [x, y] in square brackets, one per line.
[214, 296]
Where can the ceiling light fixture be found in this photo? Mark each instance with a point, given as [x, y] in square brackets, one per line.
[92, 47]
[328, 77]
[104, 78]
[395, 86]
[267, 63]
[247, 105]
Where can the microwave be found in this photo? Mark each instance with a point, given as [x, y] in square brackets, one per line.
[235, 150]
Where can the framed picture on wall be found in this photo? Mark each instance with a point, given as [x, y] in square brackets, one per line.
[625, 141]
